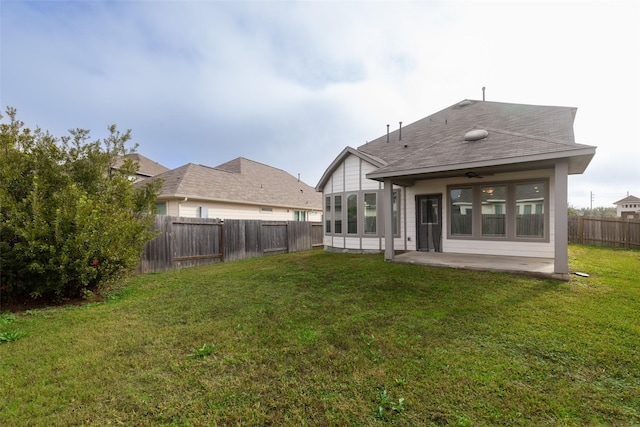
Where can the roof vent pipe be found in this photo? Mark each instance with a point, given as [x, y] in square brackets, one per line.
[400, 133]
[387, 134]
[483, 88]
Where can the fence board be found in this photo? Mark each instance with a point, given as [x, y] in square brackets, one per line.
[187, 242]
[273, 237]
[157, 253]
[234, 239]
[253, 241]
[615, 232]
[299, 236]
[317, 235]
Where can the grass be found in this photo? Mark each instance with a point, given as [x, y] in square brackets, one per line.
[315, 338]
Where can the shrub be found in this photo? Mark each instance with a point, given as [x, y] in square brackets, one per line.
[69, 219]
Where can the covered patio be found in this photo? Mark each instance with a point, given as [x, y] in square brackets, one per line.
[535, 267]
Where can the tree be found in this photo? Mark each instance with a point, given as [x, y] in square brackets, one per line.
[69, 221]
[598, 212]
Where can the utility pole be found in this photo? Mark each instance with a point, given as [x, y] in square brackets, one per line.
[591, 193]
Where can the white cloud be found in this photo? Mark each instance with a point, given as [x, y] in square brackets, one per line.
[291, 83]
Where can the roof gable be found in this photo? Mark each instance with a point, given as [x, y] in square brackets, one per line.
[341, 157]
[628, 199]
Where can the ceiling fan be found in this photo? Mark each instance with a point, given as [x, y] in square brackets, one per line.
[471, 174]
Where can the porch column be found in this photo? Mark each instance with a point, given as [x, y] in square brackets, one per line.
[388, 220]
[561, 220]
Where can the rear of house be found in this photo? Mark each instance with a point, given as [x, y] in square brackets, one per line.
[477, 178]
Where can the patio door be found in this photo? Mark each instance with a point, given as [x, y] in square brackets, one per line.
[429, 222]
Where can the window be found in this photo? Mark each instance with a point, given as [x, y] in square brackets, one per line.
[357, 213]
[299, 216]
[352, 214]
[461, 211]
[510, 211]
[161, 208]
[494, 219]
[337, 212]
[327, 214]
[530, 220]
[370, 213]
[395, 209]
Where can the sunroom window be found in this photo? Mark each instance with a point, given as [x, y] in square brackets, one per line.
[352, 214]
[510, 211]
[360, 212]
[530, 210]
[494, 218]
[337, 213]
[370, 213]
[327, 214]
[461, 211]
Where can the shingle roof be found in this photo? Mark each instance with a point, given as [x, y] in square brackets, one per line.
[146, 166]
[517, 133]
[239, 180]
[628, 199]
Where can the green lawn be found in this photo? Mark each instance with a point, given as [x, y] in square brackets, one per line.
[315, 338]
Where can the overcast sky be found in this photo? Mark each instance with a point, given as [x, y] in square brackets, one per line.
[290, 84]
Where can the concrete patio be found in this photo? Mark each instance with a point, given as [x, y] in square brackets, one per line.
[536, 267]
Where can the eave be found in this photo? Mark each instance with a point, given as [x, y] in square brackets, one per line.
[579, 159]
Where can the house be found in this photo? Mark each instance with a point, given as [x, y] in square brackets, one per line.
[478, 177]
[146, 167]
[238, 189]
[629, 207]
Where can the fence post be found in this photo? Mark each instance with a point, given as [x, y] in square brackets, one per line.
[627, 234]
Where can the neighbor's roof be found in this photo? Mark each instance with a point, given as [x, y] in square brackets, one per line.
[519, 137]
[146, 166]
[242, 181]
[628, 199]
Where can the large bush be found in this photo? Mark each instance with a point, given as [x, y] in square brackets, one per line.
[69, 220]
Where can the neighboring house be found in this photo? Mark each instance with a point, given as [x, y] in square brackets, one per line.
[239, 189]
[475, 178]
[146, 167]
[629, 207]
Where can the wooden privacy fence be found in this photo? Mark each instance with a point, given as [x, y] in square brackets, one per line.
[616, 232]
[188, 242]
